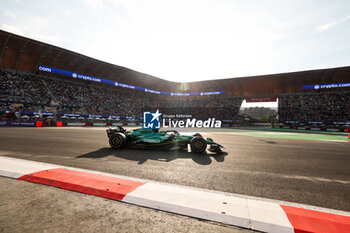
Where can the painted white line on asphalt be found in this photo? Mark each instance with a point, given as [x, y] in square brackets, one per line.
[336, 140]
[296, 177]
[319, 179]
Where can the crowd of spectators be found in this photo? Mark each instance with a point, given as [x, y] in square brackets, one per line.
[32, 93]
[23, 89]
[323, 106]
[37, 93]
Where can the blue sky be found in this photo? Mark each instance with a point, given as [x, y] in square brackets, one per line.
[191, 40]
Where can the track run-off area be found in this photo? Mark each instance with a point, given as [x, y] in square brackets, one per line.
[311, 169]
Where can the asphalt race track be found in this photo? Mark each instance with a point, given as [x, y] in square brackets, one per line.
[311, 172]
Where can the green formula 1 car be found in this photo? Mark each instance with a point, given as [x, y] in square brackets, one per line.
[153, 138]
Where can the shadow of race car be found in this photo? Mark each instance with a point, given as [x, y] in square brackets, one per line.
[153, 138]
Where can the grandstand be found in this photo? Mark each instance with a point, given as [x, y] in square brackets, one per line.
[27, 93]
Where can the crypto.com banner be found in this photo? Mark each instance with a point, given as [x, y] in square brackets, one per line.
[326, 86]
[117, 84]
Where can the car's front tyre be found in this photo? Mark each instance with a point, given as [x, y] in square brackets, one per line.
[198, 144]
[117, 140]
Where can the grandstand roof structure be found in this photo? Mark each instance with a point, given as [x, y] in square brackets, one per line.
[24, 54]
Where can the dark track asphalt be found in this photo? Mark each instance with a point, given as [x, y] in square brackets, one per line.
[309, 172]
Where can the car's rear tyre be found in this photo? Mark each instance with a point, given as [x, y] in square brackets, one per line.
[117, 140]
[198, 144]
